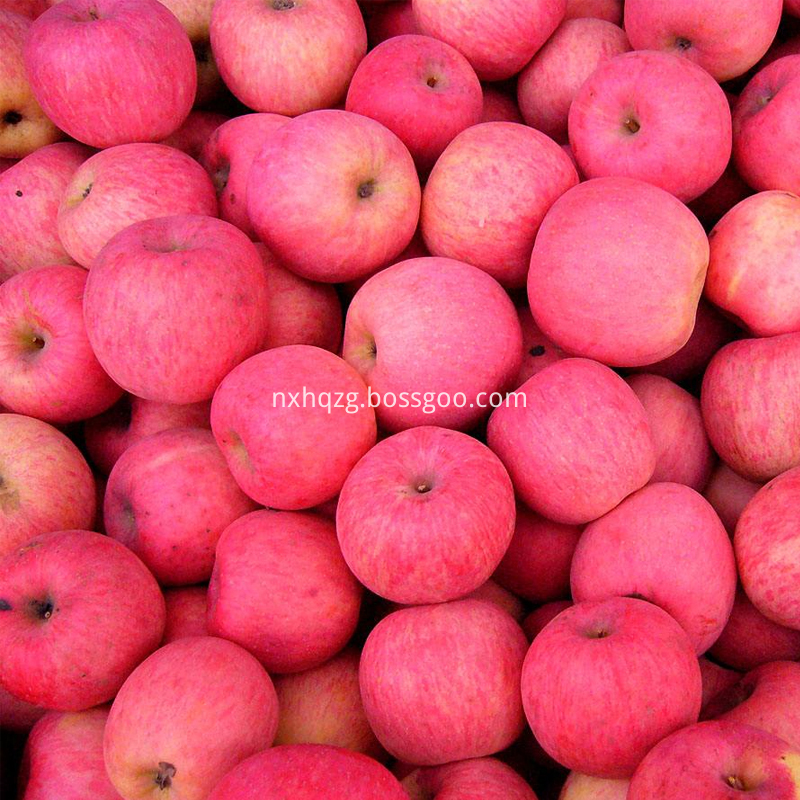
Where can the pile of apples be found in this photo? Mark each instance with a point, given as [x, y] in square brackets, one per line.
[400, 400]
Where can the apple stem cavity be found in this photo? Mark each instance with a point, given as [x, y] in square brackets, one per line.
[283, 5]
[631, 125]
[166, 772]
[42, 609]
[735, 782]
[5, 605]
[366, 189]
[12, 118]
[682, 43]
[537, 350]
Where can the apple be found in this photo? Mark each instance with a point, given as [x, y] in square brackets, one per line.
[308, 772]
[385, 20]
[617, 272]
[653, 116]
[421, 89]
[187, 715]
[792, 7]
[169, 498]
[127, 184]
[78, 611]
[281, 589]
[186, 612]
[539, 618]
[440, 683]
[575, 440]
[497, 40]
[27, 8]
[585, 787]
[751, 405]
[24, 127]
[499, 106]
[538, 351]
[715, 202]
[192, 136]
[767, 542]
[227, 157]
[45, 483]
[292, 422]
[425, 516]
[788, 47]
[30, 193]
[287, 56]
[717, 761]
[343, 212]
[147, 302]
[609, 10]
[109, 72]
[473, 779]
[492, 592]
[17, 716]
[729, 493]
[716, 679]
[683, 452]
[488, 194]
[433, 329]
[724, 40]
[323, 705]
[50, 371]
[607, 680]
[551, 80]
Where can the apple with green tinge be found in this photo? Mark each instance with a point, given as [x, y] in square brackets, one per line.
[585, 787]
[473, 779]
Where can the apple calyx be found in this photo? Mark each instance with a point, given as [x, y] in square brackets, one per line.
[166, 772]
[283, 5]
[366, 189]
[5, 605]
[537, 350]
[12, 117]
[631, 124]
[42, 609]
[735, 782]
[682, 43]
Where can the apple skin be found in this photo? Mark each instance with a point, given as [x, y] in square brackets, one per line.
[665, 544]
[385, 20]
[127, 184]
[767, 542]
[497, 41]
[488, 194]
[187, 715]
[725, 41]
[169, 498]
[539, 618]
[191, 137]
[679, 136]
[323, 706]
[473, 779]
[493, 592]
[433, 325]
[548, 84]
[283, 455]
[609, 10]
[288, 57]
[79, 612]
[751, 273]
[46, 483]
[536, 563]
[30, 193]
[63, 758]
[281, 589]
[715, 202]
[584, 787]
[50, 371]
[715, 761]
[498, 106]
[729, 493]
[588, 685]
[76, 52]
[308, 772]
[27, 8]
[617, 272]
[425, 516]
[683, 452]
[17, 716]
[25, 128]
[227, 157]
[147, 299]
[609, 445]
[716, 679]
[343, 213]
[538, 351]
[751, 405]
[792, 7]
[421, 89]
[440, 683]
[186, 613]
[764, 127]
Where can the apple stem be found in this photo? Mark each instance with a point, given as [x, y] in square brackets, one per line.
[166, 772]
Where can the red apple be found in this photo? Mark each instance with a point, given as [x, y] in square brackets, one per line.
[716, 679]
[474, 779]
[585, 787]
[538, 619]
[385, 20]
[492, 592]
[499, 106]
[715, 202]
[729, 493]
[17, 716]
[609, 10]
[538, 351]
[192, 136]
[186, 613]
[28, 8]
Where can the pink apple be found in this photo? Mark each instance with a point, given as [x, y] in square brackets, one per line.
[440, 683]
[715, 202]
[50, 371]
[538, 619]
[751, 405]
[30, 193]
[109, 72]
[227, 157]
[341, 214]
[168, 499]
[609, 10]
[788, 47]
[45, 483]
[487, 196]
[308, 772]
[421, 89]
[473, 779]
[617, 272]
[17, 716]
[497, 40]
[683, 452]
[186, 715]
[385, 20]
[287, 56]
[585, 787]
[192, 136]
[186, 613]
[499, 106]
[433, 329]
[147, 305]
[716, 679]
[292, 422]
[653, 116]
[425, 516]
[78, 611]
[575, 440]
[605, 681]
[492, 592]
[729, 493]
[548, 85]
[127, 184]
[28, 8]
[538, 351]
